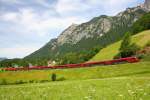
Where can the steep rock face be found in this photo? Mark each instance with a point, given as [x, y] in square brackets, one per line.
[75, 33]
[147, 4]
[101, 30]
[65, 36]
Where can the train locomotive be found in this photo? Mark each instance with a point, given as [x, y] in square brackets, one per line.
[86, 64]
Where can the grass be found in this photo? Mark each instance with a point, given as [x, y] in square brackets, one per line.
[122, 88]
[110, 51]
[76, 74]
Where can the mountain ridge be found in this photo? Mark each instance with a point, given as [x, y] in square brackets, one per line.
[102, 30]
[2, 58]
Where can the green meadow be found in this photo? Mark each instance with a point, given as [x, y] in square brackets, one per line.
[120, 88]
[115, 82]
[77, 73]
[130, 81]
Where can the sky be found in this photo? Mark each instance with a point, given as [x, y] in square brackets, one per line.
[27, 25]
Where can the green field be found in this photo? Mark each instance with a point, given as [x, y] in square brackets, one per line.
[130, 81]
[110, 51]
[115, 82]
[78, 73]
[121, 88]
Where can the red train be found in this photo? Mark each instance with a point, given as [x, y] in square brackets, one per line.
[87, 64]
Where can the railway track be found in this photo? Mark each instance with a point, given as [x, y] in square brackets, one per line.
[87, 64]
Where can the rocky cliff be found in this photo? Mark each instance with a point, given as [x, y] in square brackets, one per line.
[147, 4]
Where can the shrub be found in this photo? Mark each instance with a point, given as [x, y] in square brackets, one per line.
[53, 77]
[127, 49]
[31, 81]
[42, 81]
[19, 82]
[36, 81]
[140, 56]
[130, 50]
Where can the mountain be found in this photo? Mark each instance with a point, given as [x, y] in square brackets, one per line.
[147, 4]
[2, 58]
[100, 31]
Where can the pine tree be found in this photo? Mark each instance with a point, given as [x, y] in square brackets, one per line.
[127, 48]
[53, 77]
[125, 42]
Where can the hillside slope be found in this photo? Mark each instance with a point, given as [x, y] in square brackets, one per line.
[100, 31]
[110, 51]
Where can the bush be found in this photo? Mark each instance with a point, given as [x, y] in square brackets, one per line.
[140, 56]
[31, 81]
[130, 50]
[53, 77]
[127, 49]
[19, 82]
[42, 81]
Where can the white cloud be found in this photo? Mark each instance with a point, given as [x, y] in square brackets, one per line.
[9, 16]
[11, 1]
[75, 6]
[67, 6]
[44, 3]
[33, 23]
[115, 6]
